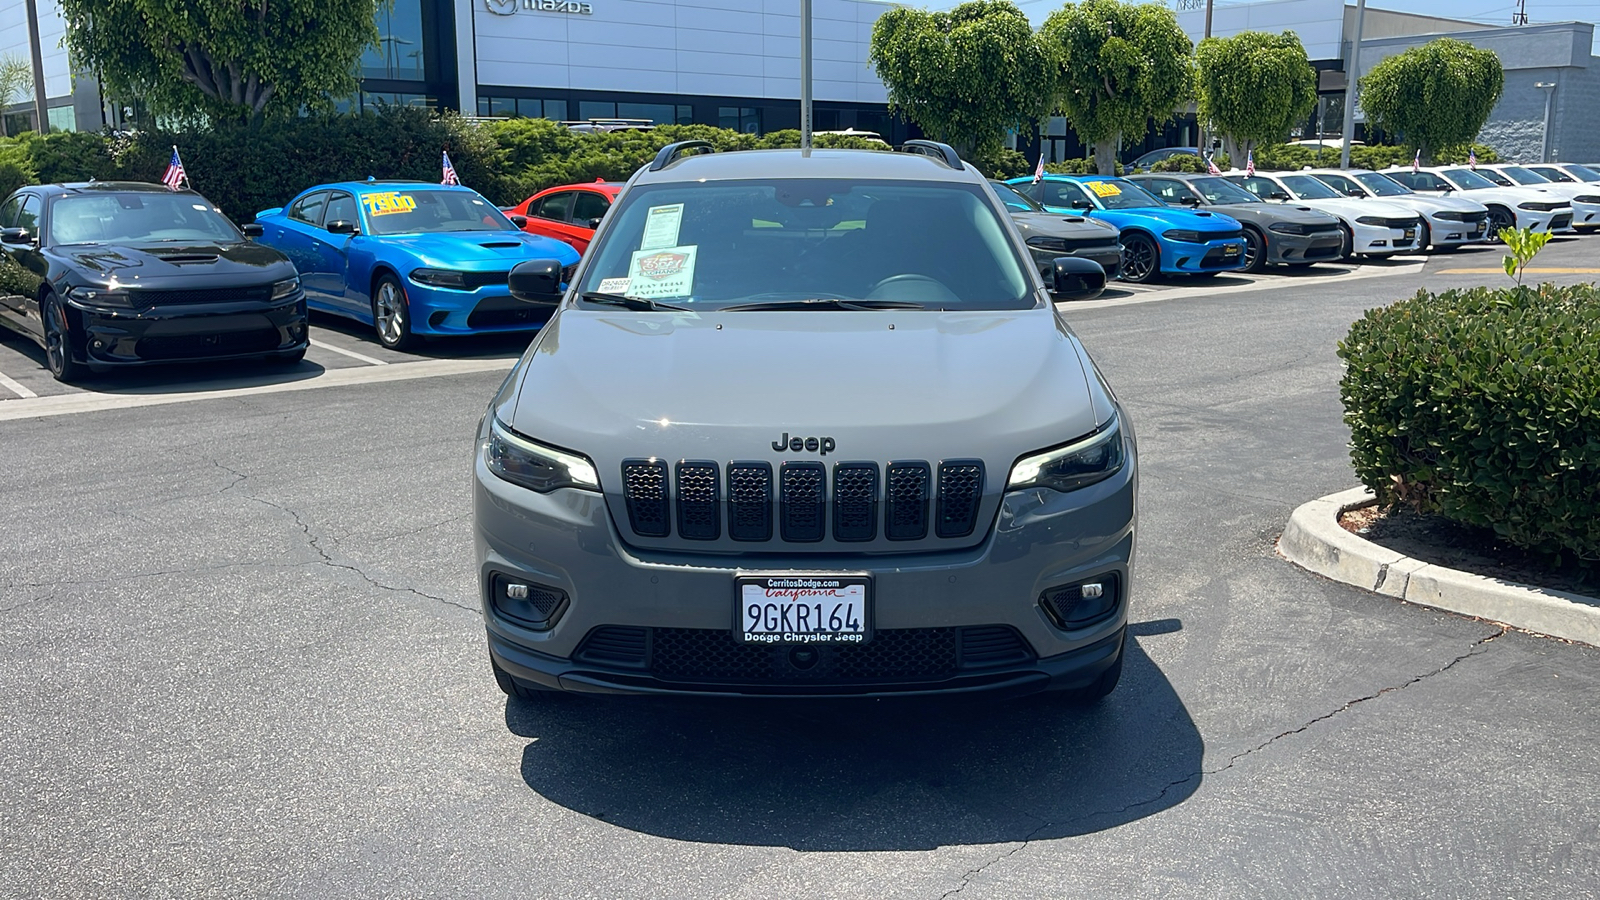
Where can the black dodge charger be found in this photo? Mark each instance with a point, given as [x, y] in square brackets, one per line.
[109, 274]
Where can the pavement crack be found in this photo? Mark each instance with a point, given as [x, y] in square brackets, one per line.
[313, 541]
[974, 873]
[238, 477]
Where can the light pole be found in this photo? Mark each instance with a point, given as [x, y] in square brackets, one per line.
[805, 76]
[1549, 88]
[1350, 85]
[38, 67]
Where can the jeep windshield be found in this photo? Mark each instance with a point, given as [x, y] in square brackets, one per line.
[809, 244]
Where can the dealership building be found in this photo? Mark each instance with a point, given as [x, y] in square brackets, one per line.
[735, 63]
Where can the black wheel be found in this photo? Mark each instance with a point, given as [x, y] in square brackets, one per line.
[1141, 258]
[1424, 236]
[1347, 248]
[58, 342]
[1255, 251]
[1106, 683]
[391, 314]
[514, 688]
[1500, 219]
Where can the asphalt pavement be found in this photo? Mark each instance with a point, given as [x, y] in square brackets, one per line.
[242, 658]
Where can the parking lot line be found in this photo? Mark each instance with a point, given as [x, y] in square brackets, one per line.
[350, 353]
[15, 387]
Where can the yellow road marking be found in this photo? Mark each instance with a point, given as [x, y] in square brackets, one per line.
[1528, 271]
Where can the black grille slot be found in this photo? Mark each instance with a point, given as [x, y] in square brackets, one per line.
[750, 501]
[992, 645]
[615, 645]
[1474, 216]
[531, 316]
[1320, 227]
[907, 499]
[257, 294]
[1400, 223]
[960, 490]
[855, 501]
[698, 496]
[1222, 235]
[475, 280]
[802, 495]
[644, 487]
[908, 654]
[194, 346]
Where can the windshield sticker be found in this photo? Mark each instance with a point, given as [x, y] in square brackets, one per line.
[389, 202]
[614, 285]
[1104, 189]
[668, 272]
[661, 227]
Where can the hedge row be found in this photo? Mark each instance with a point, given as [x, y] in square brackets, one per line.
[244, 170]
[1483, 406]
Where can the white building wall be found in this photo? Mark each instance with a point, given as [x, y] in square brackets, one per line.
[52, 28]
[1318, 23]
[729, 48]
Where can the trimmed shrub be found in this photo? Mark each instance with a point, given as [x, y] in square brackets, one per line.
[1188, 162]
[1001, 163]
[1077, 167]
[1483, 406]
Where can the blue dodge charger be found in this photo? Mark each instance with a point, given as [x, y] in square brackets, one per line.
[410, 258]
[1156, 238]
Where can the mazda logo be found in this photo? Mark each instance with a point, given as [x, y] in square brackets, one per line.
[501, 7]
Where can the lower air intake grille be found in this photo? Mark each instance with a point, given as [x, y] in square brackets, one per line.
[644, 487]
[908, 654]
[615, 645]
[698, 493]
[907, 499]
[802, 492]
[855, 501]
[194, 346]
[960, 487]
[992, 645]
[750, 501]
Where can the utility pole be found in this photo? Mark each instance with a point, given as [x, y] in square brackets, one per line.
[1549, 88]
[1204, 143]
[805, 76]
[38, 67]
[1519, 16]
[1350, 85]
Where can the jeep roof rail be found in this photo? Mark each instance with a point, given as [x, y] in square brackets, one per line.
[942, 152]
[671, 152]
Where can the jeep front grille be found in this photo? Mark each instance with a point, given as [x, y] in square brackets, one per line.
[804, 503]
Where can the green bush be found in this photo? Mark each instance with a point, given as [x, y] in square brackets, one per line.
[1457, 156]
[1001, 163]
[1483, 406]
[12, 176]
[1077, 167]
[1188, 162]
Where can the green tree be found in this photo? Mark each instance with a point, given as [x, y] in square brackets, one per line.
[1433, 96]
[1116, 66]
[964, 76]
[1254, 87]
[225, 59]
[16, 81]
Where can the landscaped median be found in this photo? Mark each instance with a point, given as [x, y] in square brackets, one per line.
[1315, 540]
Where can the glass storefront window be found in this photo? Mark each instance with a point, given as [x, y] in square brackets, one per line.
[555, 109]
[62, 118]
[596, 109]
[740, 118]
[398, 55]
[529, 109]
[658, 113]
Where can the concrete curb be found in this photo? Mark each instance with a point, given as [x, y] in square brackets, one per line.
[1314, 540]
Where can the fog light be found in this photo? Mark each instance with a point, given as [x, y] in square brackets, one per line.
[535, 606]
[1081, 605]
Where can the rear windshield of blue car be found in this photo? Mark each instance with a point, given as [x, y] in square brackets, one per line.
[430, 211]
[135, 217]
[715, 244]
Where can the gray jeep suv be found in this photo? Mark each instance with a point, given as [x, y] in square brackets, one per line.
[805, 424]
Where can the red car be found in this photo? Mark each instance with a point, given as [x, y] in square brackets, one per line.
[568, 212]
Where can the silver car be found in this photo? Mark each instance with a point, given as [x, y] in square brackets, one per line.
[806, 425]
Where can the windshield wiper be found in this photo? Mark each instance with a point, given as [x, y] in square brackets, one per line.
[627, 302]
[822, 303]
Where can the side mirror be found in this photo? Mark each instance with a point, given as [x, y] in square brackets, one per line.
[536, 281]
[342, 226]
[1077, 279]
[594, 223]
[1191, 200]
[252, 229]
[15, 236]
[1082, 204]
[1279, 195]
[519, 221]
[1359, 195]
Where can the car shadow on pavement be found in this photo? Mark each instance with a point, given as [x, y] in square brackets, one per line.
[181, 378]
[467, 346]
[863, 774]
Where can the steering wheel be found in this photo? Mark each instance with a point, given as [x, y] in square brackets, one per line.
[912, 287]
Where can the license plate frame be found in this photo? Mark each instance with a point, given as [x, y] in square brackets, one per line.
[1410, 234]
[1230, 250]
[847, 595]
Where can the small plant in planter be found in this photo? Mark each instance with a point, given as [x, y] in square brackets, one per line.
[1522, 245]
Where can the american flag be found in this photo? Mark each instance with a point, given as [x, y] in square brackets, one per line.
[450, 176]
[1211, 166]
[175, 176]
[1472, 158]
[1250, 162]
[1038, 171]
[1416, 161]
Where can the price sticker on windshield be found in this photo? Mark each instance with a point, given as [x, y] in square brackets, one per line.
[661, 226]
[1104, 189]
[388, 203]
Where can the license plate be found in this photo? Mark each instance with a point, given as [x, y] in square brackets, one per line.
[1410, 233]
[1480, 227]
[1230, 249]
[804, 609]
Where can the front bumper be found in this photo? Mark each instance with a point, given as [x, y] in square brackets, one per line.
[1380, 240]
[1585, 214]
[1553, 221]
[447, 312]
[1288, 249]
[1213, 256]
[1041, 539]
[193, 332]
[1453, 233]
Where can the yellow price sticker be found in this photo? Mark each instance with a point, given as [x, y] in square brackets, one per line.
[388, 202]
[1104, 189]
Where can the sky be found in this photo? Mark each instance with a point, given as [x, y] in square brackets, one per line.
[1489, 12]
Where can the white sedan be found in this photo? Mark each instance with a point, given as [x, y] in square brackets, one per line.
[1371, 227]
[1447, 221]
[1509, 207]
[1585, 198]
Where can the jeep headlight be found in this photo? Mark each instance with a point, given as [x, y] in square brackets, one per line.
[535, 466]
[1079, 464]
